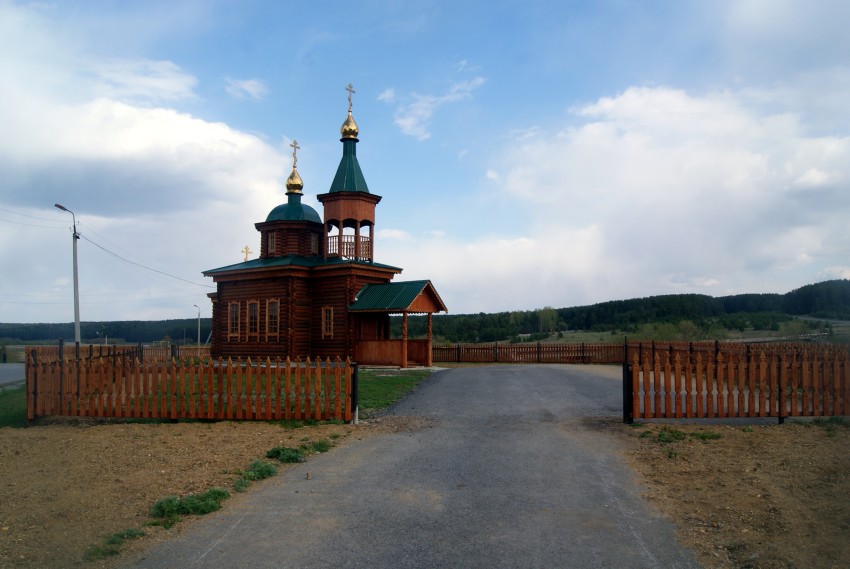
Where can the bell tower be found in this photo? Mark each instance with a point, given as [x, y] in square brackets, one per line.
[349, 208]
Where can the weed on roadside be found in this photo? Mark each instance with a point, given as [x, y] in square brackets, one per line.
[257, 470]
[171, 508]
[286, 455]
[112, 544]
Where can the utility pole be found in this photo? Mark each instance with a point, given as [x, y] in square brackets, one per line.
[74, 237]
[199, 324]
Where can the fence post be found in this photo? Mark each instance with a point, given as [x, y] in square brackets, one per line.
[781, 387]
[539, 358]
[496, 352]
[61, 368]
[457, 347]
[627, 386]
[355, 392]
[34, 359]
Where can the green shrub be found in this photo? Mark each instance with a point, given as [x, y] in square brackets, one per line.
[193, 504]
[286, 454]
[259, 470]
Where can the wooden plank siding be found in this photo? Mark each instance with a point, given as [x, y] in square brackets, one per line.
[249, 390]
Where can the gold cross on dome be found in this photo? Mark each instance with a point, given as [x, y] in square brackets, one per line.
[351, 91]
[295, 149]
[246, 251]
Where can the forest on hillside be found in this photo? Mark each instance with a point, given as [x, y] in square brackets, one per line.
[688, 315]
[692, 315]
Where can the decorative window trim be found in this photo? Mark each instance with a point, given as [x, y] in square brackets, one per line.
[272, 318]
[233, 324]
[327, 322]
[272, 246]
[253, 318]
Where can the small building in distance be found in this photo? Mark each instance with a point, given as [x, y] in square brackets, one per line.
[316, 290]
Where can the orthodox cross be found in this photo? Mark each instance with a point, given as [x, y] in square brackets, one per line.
[350, 90]
[295, 148]
[246, 251]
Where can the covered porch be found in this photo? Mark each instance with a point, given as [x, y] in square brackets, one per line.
[372, 308]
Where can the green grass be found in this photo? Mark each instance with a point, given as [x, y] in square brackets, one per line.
[169, 510]
[381, 388]
[257, 470]
[13, 407]
[286, 454]
[320, 446]
[111, 544]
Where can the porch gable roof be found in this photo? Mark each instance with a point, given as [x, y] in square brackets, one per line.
[411, 296]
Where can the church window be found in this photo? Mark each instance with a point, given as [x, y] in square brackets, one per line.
[327, 322]
[253, 317]
[233, 318]
[271, 317]
[314, 243]
[272, 242]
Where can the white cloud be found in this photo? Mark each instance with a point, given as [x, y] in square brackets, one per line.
[387, 95]
[492, 175]
[147, 182]
[414, 116]
[653, 191]
[246, 88]
[393, 235]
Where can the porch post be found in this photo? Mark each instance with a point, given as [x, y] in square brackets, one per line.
[404, 339]
[429, 356]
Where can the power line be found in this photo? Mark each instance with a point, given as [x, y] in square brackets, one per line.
[144, 266]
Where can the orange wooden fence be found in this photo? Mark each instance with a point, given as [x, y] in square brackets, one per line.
[587, 353]
[794, 381]
[144, 353]
[125, 387]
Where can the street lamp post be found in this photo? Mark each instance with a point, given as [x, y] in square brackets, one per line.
[199, 324]
[74, 237]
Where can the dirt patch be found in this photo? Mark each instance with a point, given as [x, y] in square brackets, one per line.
[64, 488]
[760, 497]
[773, 496]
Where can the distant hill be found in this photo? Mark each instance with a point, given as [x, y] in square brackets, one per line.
[827, 300]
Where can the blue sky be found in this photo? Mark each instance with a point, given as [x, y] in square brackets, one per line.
[529, 154]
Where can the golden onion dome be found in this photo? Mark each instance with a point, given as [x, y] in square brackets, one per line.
[349, 127]
[294, 185]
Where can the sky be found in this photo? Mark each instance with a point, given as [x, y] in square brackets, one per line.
[529, 154]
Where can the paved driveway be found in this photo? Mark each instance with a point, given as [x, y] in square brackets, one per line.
[512, 474]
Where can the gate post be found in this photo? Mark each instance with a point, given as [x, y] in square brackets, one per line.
[627, 386]
[355, 392]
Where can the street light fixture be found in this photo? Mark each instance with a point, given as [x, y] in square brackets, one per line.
[74, 237]
[199, 324]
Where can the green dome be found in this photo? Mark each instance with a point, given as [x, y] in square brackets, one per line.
[294, 210]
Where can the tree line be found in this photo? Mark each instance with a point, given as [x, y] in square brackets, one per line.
[827, 300]
[830, 299]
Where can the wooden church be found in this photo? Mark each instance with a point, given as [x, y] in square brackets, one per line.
[315, 289]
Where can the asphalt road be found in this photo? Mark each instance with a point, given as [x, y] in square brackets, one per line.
[514, 473]
[12, 374]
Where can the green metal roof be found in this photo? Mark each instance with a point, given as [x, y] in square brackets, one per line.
[349, 177]
[292, 261]
[390, 297]
[294, 210]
